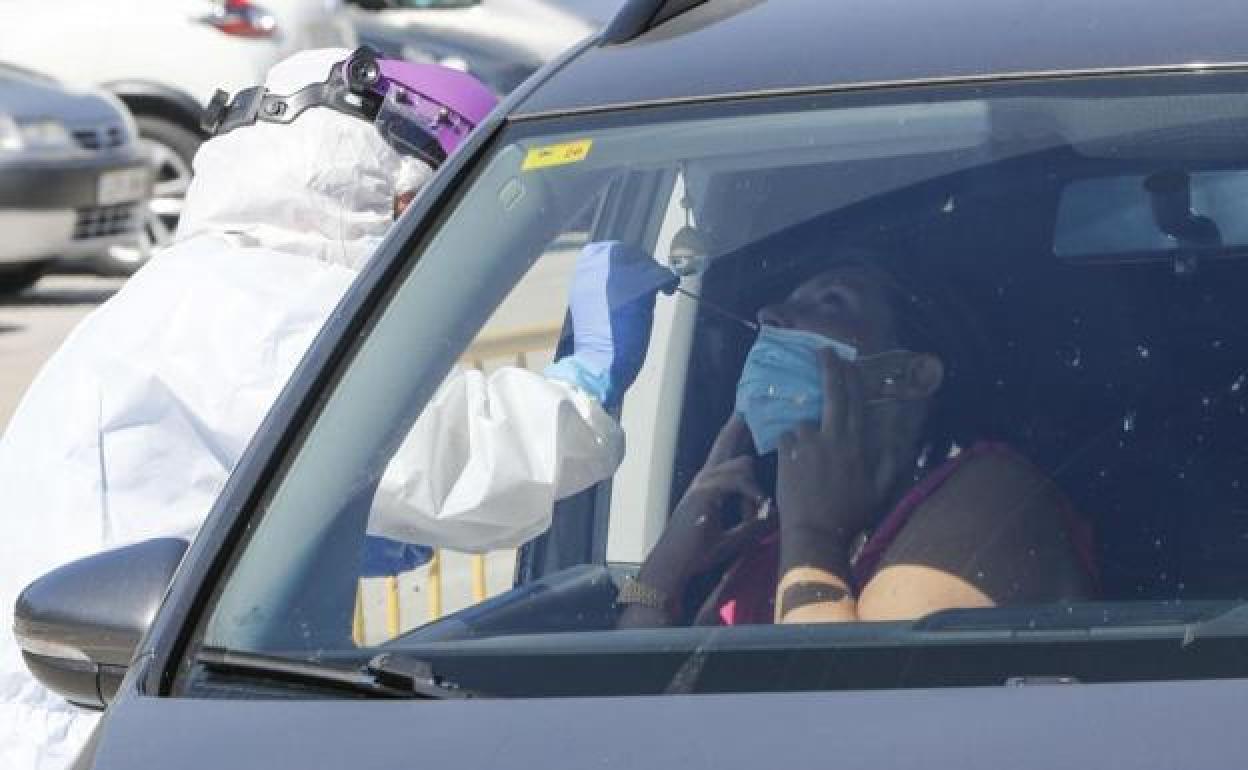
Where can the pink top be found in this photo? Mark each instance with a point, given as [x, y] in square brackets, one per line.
[749, 587]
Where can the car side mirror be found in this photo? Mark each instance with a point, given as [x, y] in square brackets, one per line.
[79, 626]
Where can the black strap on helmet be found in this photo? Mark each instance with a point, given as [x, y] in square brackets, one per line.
[349, 89]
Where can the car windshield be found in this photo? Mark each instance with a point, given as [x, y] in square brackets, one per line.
[952, 391]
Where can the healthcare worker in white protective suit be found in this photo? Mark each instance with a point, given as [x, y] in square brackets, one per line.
[131, 428]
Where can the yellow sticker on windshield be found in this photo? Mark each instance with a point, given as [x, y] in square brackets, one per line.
[557, 155]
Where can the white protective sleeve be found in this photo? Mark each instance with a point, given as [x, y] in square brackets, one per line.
[486, 460]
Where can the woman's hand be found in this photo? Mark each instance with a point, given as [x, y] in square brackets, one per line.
[824, 485]
[721, 513]
[825, 494]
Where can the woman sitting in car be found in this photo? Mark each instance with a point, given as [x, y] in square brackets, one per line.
[849, 380]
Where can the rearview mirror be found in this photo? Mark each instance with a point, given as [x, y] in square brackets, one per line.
[79, 625]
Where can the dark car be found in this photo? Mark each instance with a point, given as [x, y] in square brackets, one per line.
[1051, 190]
[73, 179]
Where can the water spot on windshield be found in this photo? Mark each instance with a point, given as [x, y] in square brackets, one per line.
[1073, 356]
[1128, 422]
[1238, 384]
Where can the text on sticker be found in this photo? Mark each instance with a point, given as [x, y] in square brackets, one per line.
[557, 154]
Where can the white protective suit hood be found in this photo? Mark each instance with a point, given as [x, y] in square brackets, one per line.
[322, 186]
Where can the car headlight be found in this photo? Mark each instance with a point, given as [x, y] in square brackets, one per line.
[44, 134]
[10, 134]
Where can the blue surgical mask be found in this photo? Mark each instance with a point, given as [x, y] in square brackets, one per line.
[781, 383]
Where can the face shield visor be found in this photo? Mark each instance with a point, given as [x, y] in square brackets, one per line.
[421, 111]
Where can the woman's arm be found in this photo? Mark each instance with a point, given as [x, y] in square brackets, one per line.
[995, 533]
[698, 535]
[814, 582]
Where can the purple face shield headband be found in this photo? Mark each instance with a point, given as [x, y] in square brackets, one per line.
[421, 110]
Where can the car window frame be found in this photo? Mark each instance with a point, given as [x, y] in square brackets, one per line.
[264, 465]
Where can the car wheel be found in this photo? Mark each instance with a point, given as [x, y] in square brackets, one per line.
[171, 148]
[15, 278]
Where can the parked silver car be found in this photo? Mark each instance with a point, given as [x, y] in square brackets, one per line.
[73, 181]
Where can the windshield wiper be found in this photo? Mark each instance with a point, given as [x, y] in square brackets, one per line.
[385, 676]
[416, 676]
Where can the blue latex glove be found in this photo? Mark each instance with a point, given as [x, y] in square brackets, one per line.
[383, 556]
[612, 306]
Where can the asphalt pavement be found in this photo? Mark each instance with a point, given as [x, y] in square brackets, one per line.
[33, 324]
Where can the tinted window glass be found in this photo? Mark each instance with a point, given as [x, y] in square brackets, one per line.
[939, 382]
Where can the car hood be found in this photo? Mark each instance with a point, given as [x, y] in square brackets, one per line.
[1147, 725]
[27, 94]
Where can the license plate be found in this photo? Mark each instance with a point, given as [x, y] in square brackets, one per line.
[124, 186]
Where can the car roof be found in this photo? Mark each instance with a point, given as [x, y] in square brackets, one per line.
[729, 47]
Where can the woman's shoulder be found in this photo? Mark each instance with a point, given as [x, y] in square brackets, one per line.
[999, 465]
[992, 481]
[998, 525]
